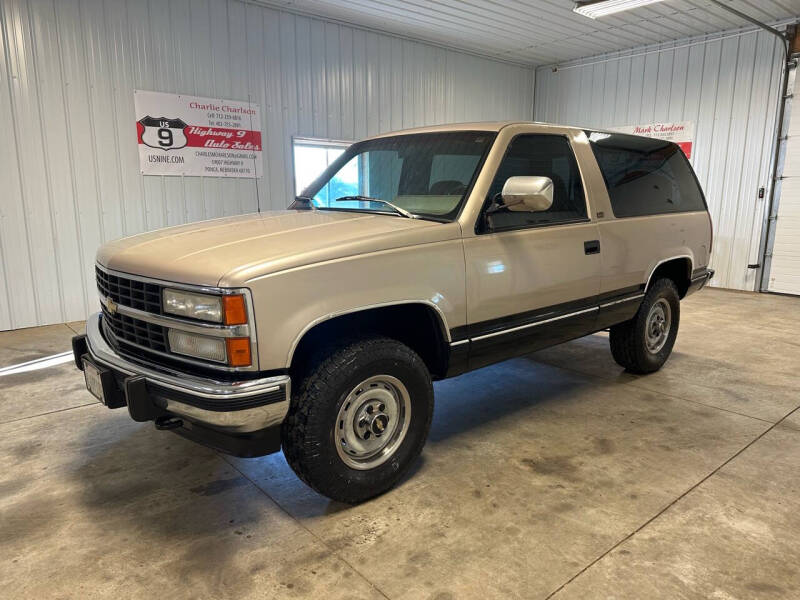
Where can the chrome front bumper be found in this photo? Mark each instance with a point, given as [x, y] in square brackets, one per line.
[235, 407]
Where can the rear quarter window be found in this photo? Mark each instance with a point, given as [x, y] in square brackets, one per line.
[646, 176]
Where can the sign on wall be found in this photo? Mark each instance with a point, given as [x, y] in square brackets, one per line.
[681, 133]
[188, 135]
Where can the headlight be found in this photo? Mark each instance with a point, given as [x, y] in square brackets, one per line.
[195, 306]
[229, 309]
[199, 346]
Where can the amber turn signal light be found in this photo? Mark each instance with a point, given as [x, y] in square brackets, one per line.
[234, 310]
[238, 352]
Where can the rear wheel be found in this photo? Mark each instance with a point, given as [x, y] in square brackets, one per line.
[359, 419]
[643, 344]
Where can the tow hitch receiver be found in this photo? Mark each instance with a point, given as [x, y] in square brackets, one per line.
[168, 422]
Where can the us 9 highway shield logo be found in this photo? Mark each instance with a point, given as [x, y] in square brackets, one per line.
[163, 133]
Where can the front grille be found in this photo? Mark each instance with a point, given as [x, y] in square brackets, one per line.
[136, 338]
[134, 331]
[130, 292]
[135, 294]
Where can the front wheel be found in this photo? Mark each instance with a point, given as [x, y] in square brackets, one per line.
[359, 419]
[643, 344]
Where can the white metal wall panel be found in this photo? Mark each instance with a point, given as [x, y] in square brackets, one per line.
[784, 273]
[728, 85]
[69, 164]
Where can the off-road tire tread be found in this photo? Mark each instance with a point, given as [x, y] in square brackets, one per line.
[298, 442]
[627, 339]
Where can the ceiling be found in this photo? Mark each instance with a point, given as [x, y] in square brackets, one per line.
[539, 32]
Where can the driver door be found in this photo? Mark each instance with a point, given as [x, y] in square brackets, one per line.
[533, 277]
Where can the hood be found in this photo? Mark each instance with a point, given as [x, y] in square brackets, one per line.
[231, 251]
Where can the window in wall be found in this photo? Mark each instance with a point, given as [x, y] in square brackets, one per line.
[541, 156]
[312, 157]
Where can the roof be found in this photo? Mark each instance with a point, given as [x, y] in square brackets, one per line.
[496, 126]
[473, 126]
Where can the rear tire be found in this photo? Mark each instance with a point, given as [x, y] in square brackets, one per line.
[359, 419]
[643, 344]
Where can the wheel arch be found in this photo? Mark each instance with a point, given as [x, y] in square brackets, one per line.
[419, 324]
[678, 268]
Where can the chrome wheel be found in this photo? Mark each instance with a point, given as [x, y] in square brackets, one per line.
[659, 321]
[372, 422]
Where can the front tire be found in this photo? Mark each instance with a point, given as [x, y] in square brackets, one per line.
[643, 344]
[359, 419]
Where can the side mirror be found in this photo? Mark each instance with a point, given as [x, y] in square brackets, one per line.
[528, 194]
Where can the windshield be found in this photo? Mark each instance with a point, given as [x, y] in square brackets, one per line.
[425, 174]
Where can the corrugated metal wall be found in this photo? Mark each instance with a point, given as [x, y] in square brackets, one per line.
[69, 171]
[728, 85]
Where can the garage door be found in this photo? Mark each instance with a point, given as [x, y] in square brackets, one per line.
[784, 274]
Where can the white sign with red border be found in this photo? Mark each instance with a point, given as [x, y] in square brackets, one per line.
[188, 135]
[682, 133]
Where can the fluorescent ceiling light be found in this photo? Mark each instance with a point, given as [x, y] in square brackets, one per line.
[601, 8]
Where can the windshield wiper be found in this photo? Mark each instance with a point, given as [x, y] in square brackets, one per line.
[400, 211]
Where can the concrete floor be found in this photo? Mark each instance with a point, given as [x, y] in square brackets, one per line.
[551, 475]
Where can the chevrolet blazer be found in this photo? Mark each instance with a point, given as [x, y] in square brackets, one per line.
[416, 256]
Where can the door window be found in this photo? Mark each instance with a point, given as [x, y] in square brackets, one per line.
[541, 156]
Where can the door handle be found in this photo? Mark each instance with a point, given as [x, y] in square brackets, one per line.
[591, 247]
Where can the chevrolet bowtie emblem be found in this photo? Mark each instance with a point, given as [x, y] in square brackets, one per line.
[111, 306]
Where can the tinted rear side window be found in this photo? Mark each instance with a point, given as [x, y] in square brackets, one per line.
[646, 176]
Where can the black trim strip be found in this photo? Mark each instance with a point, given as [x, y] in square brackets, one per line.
[699, 281]
[620, 293]
[530, 317]
[621, 301]
[459, 334]
[529, 338]
[615, 311]
[481, 344]
[535, 323]
[510, 323]
[458, 360]
[702, 273]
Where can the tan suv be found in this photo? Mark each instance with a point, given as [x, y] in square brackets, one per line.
[416, 256]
